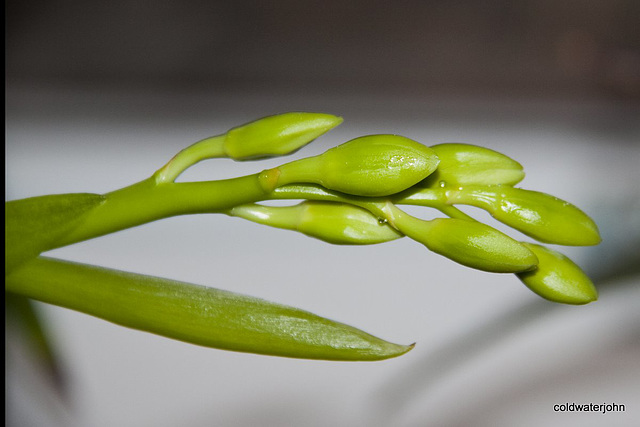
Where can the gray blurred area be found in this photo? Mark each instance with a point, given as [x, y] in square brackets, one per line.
[99, 94]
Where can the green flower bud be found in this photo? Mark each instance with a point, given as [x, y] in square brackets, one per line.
[465, 164]
[267, 137]
[467, 242]
[375, 165]
[337, 223]
[538, 215]
[479, 246]
[558, 279]
[344, 224]
[277, 135]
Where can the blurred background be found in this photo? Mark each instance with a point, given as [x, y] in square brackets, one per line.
[101, 94]
[521, 48]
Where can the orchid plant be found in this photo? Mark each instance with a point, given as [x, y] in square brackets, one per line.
[352, 195]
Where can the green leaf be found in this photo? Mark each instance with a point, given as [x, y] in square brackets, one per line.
[34, 225]
[195, 314]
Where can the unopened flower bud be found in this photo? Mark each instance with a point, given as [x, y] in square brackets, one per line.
[467, 242]
[277, 135]
[465, 164]
[538, 215]
[375, 165]
[557, 278]
[337, 223]
[479, 246]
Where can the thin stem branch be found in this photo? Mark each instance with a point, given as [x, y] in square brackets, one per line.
[208, 148]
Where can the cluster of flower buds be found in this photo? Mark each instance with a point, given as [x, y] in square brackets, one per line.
[352, 193]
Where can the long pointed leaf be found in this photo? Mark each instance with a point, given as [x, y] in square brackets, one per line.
[195, 314]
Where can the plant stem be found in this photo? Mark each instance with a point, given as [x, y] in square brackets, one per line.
[147, 201]
[208, 148]
[436, 199]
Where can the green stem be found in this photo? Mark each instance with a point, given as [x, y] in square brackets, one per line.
[302, 170]
[453, 212]
[316, 192]
[436, 199]
[405, 223]
[147, 201]
[439, 198]
[208, 148]
[286, 217]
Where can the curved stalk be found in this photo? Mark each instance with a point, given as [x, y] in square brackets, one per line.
[208, 148]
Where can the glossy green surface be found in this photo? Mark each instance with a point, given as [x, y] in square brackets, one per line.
[270, 136]
[477, 245]
[344, 224]
[331, 222]
[372, 166]
[277, 135]
[465, 164]
[538, 215]
[466, 242]
[558, 279]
